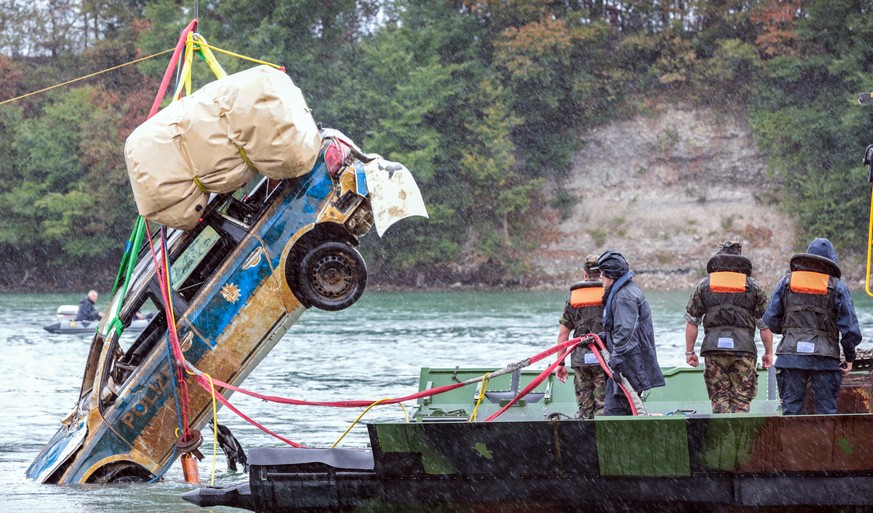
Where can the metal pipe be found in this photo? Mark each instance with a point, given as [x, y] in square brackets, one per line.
[771, 383]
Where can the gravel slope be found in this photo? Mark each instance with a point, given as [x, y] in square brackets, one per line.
[666, 189]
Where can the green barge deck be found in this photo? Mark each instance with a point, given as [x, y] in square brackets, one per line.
[685, 393]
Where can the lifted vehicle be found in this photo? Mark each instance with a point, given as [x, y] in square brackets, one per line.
[257, 259]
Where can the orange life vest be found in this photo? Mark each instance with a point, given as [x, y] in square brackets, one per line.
[727, 281]
[586, 296]
[808, 282]
[729, 321]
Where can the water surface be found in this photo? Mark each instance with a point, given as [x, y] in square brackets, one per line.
[371, 351]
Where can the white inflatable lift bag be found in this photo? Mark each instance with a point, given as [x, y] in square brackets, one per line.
[191, 148]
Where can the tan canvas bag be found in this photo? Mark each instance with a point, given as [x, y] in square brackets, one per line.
[192, 147]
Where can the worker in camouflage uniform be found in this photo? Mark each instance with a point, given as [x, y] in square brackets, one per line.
[583, 314]
[730, 304]
[812, 309]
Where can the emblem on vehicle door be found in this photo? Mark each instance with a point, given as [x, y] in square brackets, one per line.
[230, 292]
[253, 259]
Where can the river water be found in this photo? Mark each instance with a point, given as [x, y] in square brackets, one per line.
[371, 351]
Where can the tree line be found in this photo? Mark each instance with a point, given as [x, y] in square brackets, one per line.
[483, 100]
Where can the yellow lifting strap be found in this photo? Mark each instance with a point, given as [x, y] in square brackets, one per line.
[194, 43]
[197, 43]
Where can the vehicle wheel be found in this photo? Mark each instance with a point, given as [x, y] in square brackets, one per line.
[332, 276]
[120, 472]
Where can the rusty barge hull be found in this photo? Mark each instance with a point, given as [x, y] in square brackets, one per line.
[677, 462]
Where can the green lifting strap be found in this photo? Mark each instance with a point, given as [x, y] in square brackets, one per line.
[128, 264]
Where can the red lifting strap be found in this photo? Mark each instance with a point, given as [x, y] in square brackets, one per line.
[165, 82]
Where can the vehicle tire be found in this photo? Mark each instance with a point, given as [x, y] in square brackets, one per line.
[332, 276]
[120, 472]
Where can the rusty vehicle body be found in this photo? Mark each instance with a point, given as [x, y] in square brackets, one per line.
[256, 261]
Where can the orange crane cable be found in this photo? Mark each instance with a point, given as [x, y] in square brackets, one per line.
[68, 82]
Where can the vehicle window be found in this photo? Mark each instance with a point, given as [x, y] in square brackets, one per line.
[111, 308]
[184, 264]
[258, 190]
[248, 203]
[201, 262]
[126, 362]
[191, 268]
[173, 236]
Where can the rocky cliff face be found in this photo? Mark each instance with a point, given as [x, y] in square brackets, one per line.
[666, 189]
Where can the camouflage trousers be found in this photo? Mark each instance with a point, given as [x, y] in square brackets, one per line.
[590, 384]
[731, 380]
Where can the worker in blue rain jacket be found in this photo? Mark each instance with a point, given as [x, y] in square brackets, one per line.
[628, 334]
[812, 309]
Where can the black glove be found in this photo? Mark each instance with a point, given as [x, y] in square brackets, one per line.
[616, 374]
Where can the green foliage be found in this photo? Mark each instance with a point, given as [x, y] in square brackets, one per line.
[804, 117]
[730, 71]
[484, 101]
[66, 195]
[599, 235]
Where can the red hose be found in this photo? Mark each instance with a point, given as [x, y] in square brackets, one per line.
[533, 384]
[364, 403]
[595, 348]
[203, 382]
[165, 82]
